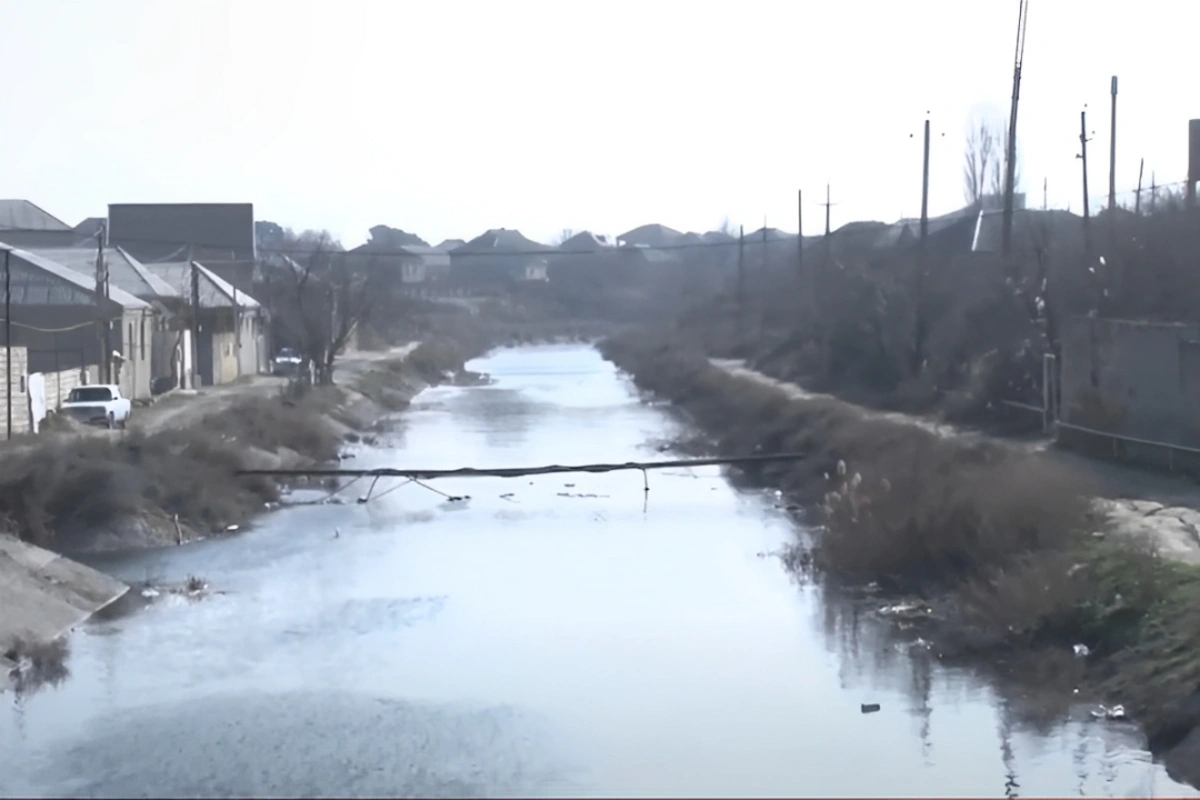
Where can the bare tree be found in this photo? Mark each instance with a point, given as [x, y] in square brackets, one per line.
[318, 295]
[981, 154]
[997, 178]
[563, 235]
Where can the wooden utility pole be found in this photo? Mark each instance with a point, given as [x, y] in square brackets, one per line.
[800, 234]
[101, 311]
[1083, 140]
[8, 339]
[827, 205]
[1010, 155]
[1137, 197]
[195, 348]
[1112, 151]
[922, 264]
[741, 283]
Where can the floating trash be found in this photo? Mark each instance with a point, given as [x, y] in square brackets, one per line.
[870, 708]
[1082, 651]
[1104, 712]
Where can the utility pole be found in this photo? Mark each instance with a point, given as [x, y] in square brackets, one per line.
[919, 287]
[1112, 152]
[8, 338]
[800, 233]
[1083, 140]
[1137, 198]
[1010, 156]
[827, 205]
[1153, 192]
[925, 189]
[741, 282]
[1045, 193]
[101, 311]
[195, 348]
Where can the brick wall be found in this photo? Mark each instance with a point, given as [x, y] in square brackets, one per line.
[20, 398]
[60, 384]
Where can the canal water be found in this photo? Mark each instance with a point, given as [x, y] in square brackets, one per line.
[558, 635]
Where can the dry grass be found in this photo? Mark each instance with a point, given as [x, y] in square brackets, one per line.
[64, 491]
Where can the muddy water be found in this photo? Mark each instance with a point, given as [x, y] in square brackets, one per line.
[556, 635]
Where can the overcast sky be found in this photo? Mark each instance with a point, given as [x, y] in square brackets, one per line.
[447, 118]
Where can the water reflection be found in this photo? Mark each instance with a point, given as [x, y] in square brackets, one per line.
[528, 642]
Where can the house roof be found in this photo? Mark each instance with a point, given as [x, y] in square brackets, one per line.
[215, 291]
[585, 242]
[501, 240]
[654, 235]
[449, 244]
[38, 280]
[773, 235]
[1031, 228]
[22, 215]
[124, 270]
[90, 226]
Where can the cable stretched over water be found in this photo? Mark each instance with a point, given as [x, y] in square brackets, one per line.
[520, 472]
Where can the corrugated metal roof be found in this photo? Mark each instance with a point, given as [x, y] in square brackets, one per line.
[38, 280]
[215, 291]
[123, 269]
[22, 215]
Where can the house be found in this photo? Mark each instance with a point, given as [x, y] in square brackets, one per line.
[652, 235]
[90, 230]
[130, 275]
[586, 252]
[219, 235]
[232, 329]
[59, 317]
[23, 224]
[500, 256]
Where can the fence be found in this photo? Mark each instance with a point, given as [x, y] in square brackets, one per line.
[14, 377]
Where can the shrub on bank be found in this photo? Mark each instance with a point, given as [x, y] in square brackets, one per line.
[76, 487]
[912, 509]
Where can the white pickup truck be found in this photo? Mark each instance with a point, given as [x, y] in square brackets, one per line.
[98, 404]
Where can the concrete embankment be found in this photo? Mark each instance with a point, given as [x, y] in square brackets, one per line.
[42, 596]
[1002, 552]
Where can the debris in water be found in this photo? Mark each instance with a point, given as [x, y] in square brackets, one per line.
[906, 610]
[149, 592]
[1115, 713]
[569, 485]
[1082, 651]
[337, 533]
[232, 528]
[870, 708]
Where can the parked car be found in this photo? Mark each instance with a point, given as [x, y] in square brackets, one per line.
[286, 362]
[101, 404]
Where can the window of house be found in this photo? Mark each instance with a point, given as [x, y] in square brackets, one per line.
[143, 332]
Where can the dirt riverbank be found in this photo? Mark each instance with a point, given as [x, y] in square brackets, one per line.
[999, 554]
[171, 477]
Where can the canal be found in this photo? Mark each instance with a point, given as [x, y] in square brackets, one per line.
[557, 635]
